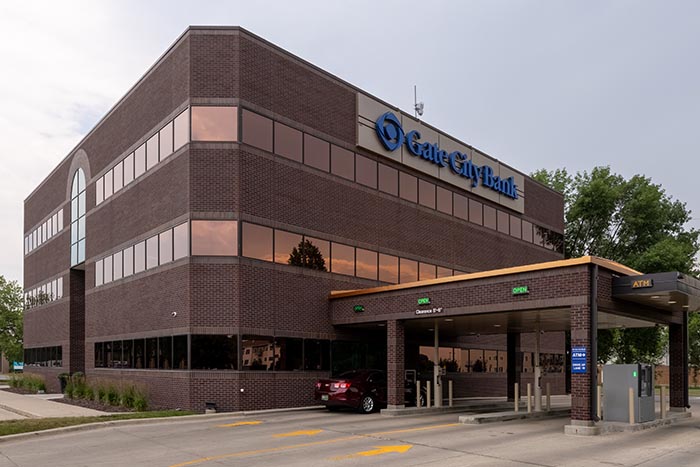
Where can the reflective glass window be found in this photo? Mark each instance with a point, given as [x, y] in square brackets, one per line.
[181, 242]
[166, 247]
[527, 231]
[460, 207]
[128, 353]
[117, 266]
[367, 264]
[99, 355]
[515, 227]
[427, 271]
[118, 175]
[77, 247]
[98, 273]
[180, 352]
[181, 128]
[342, 162]
[152, 252]
[56, 228]
[99, 191]
[538, 238]
[317, 355]
[257, 241]
[129, 169]
[214, 352]
[257, 130]
[257, 353]
[139, 257]
[165, 352]
[285, 245]
[444, 200]
[443, 272]
[140, 161]
[289, 353]
[388, 180]
[316, 152]
[139, 353]
[60, 220]
[408, 187]
[408, 270]
[107, 269]
[59, 282]
[166, 140]
[503, 221]
[312, 254]
[211, 123]
[152, 152]
[151, 359]
[426, 193]
[108, 178]
[366, 170]
[288, 142]
[214, 238]
[475, 212]
[342, 259]
[388, 268]
[128, 255]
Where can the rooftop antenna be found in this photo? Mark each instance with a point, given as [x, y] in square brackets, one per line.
[417, 106]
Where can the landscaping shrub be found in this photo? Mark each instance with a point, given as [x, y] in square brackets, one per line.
[33, 383]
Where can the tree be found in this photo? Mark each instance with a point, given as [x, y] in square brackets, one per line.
[633, 222]
[11, 320]
[694, 344]
[307, 255]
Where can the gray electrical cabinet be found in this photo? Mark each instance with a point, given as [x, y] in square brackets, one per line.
[617, 380]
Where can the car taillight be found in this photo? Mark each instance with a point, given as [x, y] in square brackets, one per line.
[318, 385]
[342, 385]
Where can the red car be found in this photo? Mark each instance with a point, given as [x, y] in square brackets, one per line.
[363, 390]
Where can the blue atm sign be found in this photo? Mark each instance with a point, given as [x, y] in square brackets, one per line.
[578, 360]
[392, 136]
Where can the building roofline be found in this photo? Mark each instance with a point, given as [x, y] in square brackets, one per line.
[564, 263]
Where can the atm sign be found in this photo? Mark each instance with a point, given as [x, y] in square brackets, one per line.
[642, 283]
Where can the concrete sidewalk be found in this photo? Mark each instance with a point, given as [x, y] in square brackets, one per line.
[16, 406]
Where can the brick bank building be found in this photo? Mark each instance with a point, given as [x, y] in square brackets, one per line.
[242, 223]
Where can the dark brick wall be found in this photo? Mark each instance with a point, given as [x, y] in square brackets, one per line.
[544, 205]
[76, 286]
[395, 348]
[50, 259]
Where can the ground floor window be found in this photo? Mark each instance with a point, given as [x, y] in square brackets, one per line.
[44, 356]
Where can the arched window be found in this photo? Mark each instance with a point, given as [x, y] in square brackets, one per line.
[77, 218]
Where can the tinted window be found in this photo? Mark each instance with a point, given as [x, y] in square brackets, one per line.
[118, 175]
[152, 353]
[285, 243]
[443, 272]
[342, 259]
[366, 264]
[139, 257]
[182, 129]
[257, 241]
[515, 227]
[319, 247]
[152, 252]
[366, 171]
[475, 212]
[181, 241]
[129, 169]
[98, 273]
[444, 200]
[317, 355]
[503, 222]
[99, 192]
[214, 352]
[180, 352]
[140, 161]
[166, 141]
[426, 193]
[165, 247]
[214, 238]
[316, 152]
[107, 269]
[128, 354]
[117, 265]
[388, 268]
[427, 271]
[289, 354]
[288, 142]
[489, 217]
[165, 349]
[139, 353]
[257, 130]
[388, 180]
[460, 207]
[257, 353]
[408, 270]
[342, 162]
[128, 261]
[108, 186]
[527, 231]
[152, 152]
[408, 187]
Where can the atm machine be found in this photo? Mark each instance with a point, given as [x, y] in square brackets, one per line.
[617, 379]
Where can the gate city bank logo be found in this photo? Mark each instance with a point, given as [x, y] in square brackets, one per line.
[391, 134]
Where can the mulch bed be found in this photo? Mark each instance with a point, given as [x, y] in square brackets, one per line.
[93, 405]
[19, 390]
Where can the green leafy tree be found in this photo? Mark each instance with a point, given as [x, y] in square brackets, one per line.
[633, 222]
[694, 344]
[307, 255]
[11, 319]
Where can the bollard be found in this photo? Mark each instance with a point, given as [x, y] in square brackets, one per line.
[516, 398]
[418, 404]
[427, 393]
[663, 401]
[449, 392]
[529, 397]
[631, 407]
[599, 402]
[549, 398]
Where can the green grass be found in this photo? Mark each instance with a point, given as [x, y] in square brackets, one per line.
[694, 391]
[12, 427]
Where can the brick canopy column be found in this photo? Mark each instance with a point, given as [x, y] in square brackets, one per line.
[581, 400]
[395, 342]
[678, 364]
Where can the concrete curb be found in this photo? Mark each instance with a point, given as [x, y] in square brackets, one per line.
[147, 421]
[510, 416]
[18, 411]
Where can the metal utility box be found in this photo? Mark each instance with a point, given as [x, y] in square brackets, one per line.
[617, 380]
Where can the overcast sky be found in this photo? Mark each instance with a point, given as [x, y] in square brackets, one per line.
[535, 84]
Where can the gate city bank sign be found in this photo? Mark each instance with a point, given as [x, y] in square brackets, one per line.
[392, 136]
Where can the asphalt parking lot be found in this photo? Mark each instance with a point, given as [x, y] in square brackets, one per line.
[318, 437]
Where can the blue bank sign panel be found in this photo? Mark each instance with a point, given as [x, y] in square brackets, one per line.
[578, 360]
[392, 136]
